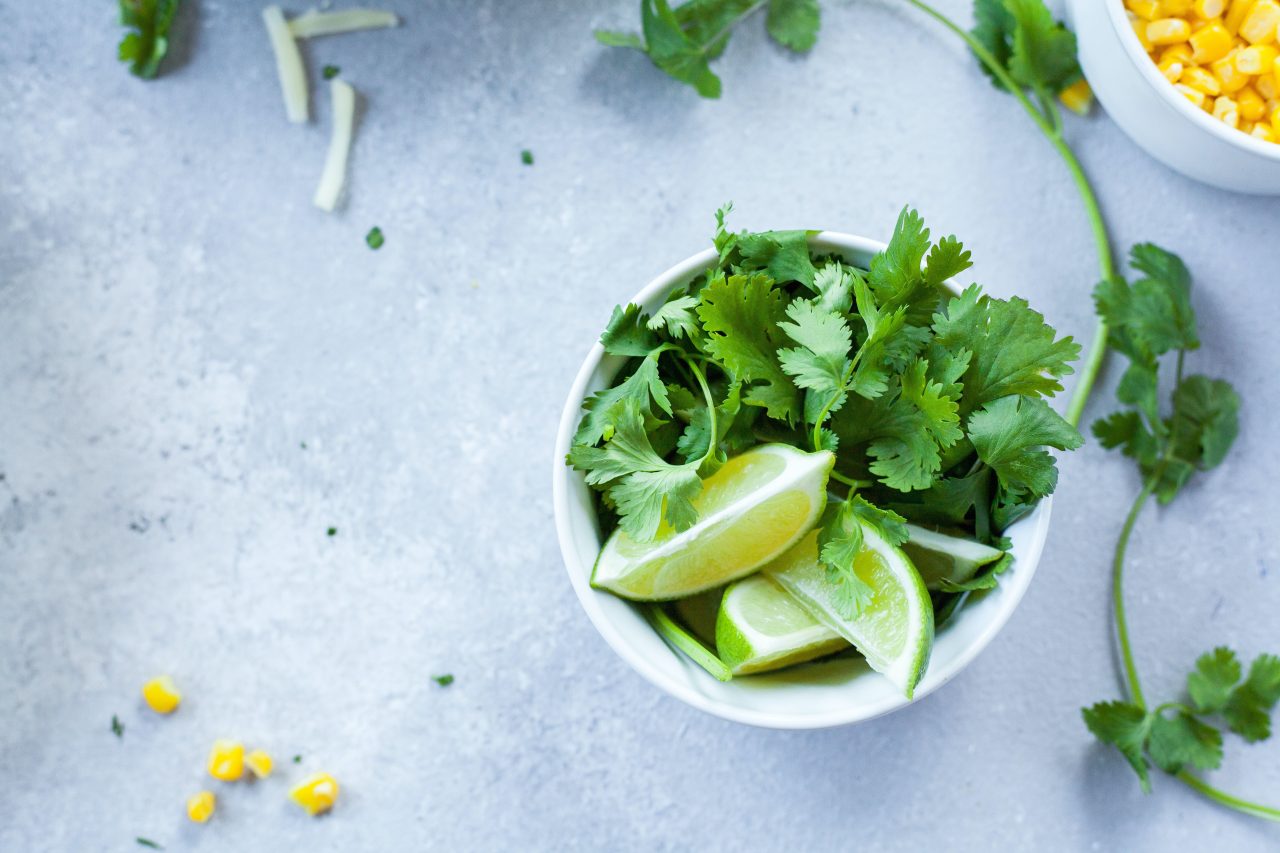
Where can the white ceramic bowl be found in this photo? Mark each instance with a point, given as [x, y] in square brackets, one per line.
[816, 695]
[1159, 119]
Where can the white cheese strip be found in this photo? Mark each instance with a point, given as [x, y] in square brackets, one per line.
[313, 23]
[335, 163]
[293, 77]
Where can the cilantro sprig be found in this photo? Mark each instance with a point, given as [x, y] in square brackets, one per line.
[1151, 319]
[683, 41]
[145, 45]
[932, 402]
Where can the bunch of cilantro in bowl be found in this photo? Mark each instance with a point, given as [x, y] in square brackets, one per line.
[802, 458]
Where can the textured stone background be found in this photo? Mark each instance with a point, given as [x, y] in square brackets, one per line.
[176, 320]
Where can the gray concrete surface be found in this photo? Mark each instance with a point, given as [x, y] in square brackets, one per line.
[177, 321]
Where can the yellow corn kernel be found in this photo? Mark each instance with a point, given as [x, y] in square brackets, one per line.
[1140, 30]
[1250, 104]
[1168, 31]
[1195, 96]
[260, 764]
[1275, 120]
[1148, 10]
[1077, 97]
[1229, 77]
[317, 793]
[1175, 8]
[1176, 53]
[1210, 43]
[1259, 26]
[226, 760]
[1207, 9]
[1261, 131]
[161, 695]
[1172, 71]
[1198, 78]
[1257, 59]
[1226, 111]
[1268, 84]
[1235, 15]
[200, 806]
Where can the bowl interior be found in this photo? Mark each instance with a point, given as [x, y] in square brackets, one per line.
[827, 693]
[1171, 96]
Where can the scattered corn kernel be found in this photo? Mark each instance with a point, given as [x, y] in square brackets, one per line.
[1172, 71]
[1168, 31]
[260, 764]
[317, 793]
[1210, 43]
[1259, 26]
[1206, 9]
[1176, 53]
[161, 695]
[1229, 77]
[1235, 15]
[1198, 78]
[1250, 104]
[1140, 30]
[200, 806]
[1148, 10]
[1268, 85]
[1256, 59]
[1077, 97]
[226, 760]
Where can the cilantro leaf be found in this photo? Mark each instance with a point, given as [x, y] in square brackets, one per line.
[994, 30]
[947, 259]
[1205, 421]
[677, 316]
[1010, 435]
[646, 489]
[840, 540]
[833, 283]
[144, 48]
[1181, 740]
[794, 23]
[1210, 683]
[629, 332]
[643, 385]
[1124, 726]
[1013, 350]
[986, 579]
[1044, 51]
[783, 255]
[820, 362]
[1248, 710]
[740, 315]
[1153, 315]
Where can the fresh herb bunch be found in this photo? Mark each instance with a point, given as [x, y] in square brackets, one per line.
[934, 403]
[1152, 319]
[683, 41]
[145, 46]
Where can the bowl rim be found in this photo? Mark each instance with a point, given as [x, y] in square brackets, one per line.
[1133, 48]
[1014, 586]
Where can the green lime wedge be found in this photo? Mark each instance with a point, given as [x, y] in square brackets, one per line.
[761, 628]
[939, 557]
[895, 631]
[750, 511]
[699, 612]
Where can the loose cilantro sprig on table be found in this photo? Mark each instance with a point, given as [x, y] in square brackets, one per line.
[932, 402]
[1152, 319]
[683, 41]
[145, 46]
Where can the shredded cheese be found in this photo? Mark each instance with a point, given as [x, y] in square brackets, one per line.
[314, 23]
[335, 163]
[293, 77]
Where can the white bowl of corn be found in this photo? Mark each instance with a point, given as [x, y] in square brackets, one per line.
[1196, 83]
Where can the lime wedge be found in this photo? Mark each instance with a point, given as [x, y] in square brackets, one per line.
[895, 631]
[761, 628]
[750, 511]
[698, 613]
[938, 557]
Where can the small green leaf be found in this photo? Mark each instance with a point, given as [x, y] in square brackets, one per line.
[1248, 711]
[374, 238]
[526, 157]
[443, 680]
[1211, 682]
[1181, 740]
[1124, 726]
[794, 23]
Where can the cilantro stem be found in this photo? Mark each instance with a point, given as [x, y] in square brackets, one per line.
[713, 434]
[733, 22]
[1225, 799]
[682, 640]
[1048, 119]
[1117, 588]
[849, 481]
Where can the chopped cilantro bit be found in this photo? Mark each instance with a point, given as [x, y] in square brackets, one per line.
[297, 759]
[443, 680]
[374, 238]
[148, 40]
[117, 727]
[147, 842]
[332, 531]
[526, 157]
[330, 71]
